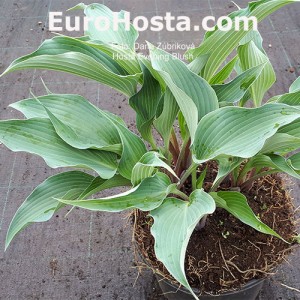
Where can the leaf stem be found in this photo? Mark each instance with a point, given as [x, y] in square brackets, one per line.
[182, 155]
[248, 182]
[194, 179]
[181, 194]
[187, 173]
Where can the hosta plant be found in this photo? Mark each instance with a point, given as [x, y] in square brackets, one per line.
[166, 94]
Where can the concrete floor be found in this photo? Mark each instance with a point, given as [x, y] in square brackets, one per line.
[89, 255]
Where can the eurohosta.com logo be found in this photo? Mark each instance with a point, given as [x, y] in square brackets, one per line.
[57, 22]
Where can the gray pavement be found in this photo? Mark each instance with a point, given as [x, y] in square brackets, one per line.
[89, 255]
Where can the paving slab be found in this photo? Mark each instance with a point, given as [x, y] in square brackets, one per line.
[88, 255]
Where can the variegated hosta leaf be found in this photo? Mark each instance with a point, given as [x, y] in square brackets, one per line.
[147, 165]
[236, 204]
[292, 129]
[120, 35]
[148, 195]
[251, 56]
[194, 95]
[124, 57]
[38, 136]
[73, 56]
[281, 143]
[145, 103]
[294, 160]
[289, 98]
[92, 129]
[236, 89]
[224, 73]
[295, 87]
[276, 162]
[133, 149]
[165, 121]
[219, 44]
[240, 132]
[225, 166]
[40, 205]
[76, 121]
[174, 223]
[146, 61]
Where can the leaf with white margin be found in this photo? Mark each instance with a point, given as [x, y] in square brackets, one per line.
[292, 129]
[194, 95]
[76, 133]
[73, 56]
[40, 205]
[148, 195]
[145, 103]
[292, 98]
[236, 204]
[220, 44]
[174, 223]
[225, 72]
[295, 87]
[122, 36]
[165, 121]
[38, 136]
[295, 161]
[276, 162]
[147, 165]
[238, 131]
[236, 89]
[251, 56]
[281, 143]
[225, 166]
[76, 120]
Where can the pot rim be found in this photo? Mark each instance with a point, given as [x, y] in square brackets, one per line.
[252, 283]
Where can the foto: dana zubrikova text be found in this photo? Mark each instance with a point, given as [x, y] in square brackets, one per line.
[58, 22]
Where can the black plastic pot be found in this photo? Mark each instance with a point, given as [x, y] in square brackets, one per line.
[248, 292]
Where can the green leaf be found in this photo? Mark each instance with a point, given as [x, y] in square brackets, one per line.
[201, 178]
[251, 56]
[148, 195]
[281, 143]
[76, 121]
[194, 95]
[236, 204]
[236, 89]
[40, 205]
[295, 87]
[276, 162]
[73, 56]
[121, 35]
[164, 122]
[132, 151]
[99, 184]
[145, 103]
[174, 223]
[292, 129]
[100, 129]
[224, 73]
[124, 57]
[240, 132]
[147, 165]
[295, 161]
[219, 44]
[38, 136]
[292, 98]
[225, 166]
